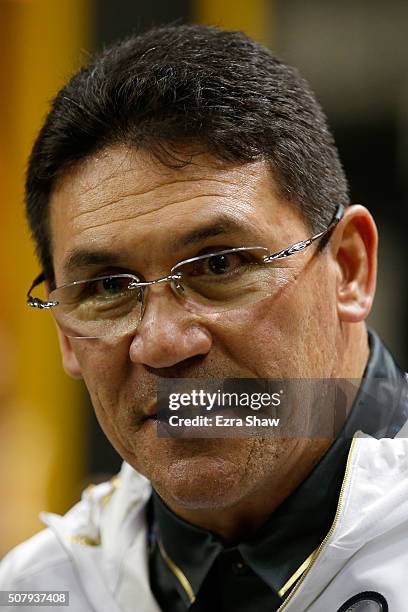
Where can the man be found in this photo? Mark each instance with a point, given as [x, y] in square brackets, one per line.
[193, 157]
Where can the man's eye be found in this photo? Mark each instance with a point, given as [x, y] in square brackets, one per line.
[108, 287]
[218, 265]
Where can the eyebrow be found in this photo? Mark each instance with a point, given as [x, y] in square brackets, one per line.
[83, 258]
[223, 224]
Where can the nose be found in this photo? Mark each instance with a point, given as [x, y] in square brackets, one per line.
[167, 334]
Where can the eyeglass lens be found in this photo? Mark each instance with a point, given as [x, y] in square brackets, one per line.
[113, 305]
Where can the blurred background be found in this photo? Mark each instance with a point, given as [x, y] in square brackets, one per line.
[355, 56]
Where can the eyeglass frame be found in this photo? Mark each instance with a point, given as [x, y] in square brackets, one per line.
[34, 302]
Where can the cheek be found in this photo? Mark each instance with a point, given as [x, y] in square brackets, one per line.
[291, 335]
[103, 366]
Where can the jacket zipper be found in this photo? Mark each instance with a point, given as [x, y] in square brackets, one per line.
[332, 528]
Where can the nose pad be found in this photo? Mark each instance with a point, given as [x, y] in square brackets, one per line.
[177, 287]
[141, 297]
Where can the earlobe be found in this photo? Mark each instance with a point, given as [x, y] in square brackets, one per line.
[69, 359]
[356, 257]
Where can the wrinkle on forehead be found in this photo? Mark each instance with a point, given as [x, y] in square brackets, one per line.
[121, 160]
[91, 189]
[121, 185]
[104, 180]
[134, 193]
[135, 215]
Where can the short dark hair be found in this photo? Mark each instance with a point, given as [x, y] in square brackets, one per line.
[190, 83]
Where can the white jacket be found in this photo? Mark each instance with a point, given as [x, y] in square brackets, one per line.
[98, 550]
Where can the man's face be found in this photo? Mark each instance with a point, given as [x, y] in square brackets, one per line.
[142, 212]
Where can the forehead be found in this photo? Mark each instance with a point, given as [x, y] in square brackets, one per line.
[125, 198]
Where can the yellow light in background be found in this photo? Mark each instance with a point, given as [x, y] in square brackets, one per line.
[41, 424]
[251, 16]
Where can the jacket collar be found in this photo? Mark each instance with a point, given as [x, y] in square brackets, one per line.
[379, 409]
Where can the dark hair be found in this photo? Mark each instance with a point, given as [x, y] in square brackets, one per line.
[190, 84]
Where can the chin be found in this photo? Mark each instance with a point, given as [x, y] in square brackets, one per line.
[200, 482]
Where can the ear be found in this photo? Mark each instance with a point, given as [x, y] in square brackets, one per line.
[355, 243]
[69, 359]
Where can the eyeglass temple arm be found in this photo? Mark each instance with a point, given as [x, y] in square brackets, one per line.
[338, 215]
[37, 302]
[299, 246]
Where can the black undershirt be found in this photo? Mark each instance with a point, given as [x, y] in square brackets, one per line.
[248, 576]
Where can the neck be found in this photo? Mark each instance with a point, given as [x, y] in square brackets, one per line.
[242, 519]
[353, 346]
